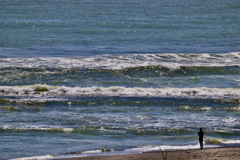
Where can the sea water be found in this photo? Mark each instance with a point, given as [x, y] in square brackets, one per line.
[81, 78]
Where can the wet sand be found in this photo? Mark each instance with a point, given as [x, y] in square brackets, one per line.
[223, 153]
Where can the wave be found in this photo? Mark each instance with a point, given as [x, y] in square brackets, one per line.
[98, 130]
[36, 74]
[116, 62]
[181, 71]
[46, 91]
[94, 130]
[37, 129]
[46, 157]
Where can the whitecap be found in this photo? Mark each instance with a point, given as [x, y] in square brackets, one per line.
[115, 62]
[119, 91]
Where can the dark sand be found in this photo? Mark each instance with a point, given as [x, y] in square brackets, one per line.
[224, 153]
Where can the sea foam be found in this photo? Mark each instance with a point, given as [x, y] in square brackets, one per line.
[119, 91]
[113, 62]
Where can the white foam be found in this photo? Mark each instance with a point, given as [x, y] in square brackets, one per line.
[36, 127]
[149, 148]
[233, 142]
[35, 158]
[119, 91]
[172, 61]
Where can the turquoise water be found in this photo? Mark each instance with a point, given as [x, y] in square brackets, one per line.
[94, 77]
[76, 28]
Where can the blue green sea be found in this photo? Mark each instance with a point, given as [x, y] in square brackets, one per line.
[90, 77]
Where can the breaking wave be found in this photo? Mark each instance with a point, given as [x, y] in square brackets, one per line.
[115, 62]
[118, 91]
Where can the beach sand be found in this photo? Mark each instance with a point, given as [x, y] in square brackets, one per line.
[224, 153]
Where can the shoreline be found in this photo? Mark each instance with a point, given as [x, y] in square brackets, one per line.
[217, 153]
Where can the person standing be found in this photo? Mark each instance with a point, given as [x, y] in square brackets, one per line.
[200, 135]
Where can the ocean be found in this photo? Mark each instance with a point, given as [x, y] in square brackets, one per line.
[89, 77]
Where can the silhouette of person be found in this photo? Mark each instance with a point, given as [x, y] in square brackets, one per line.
[200, 134]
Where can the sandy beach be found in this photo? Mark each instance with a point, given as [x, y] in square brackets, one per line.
[223, 153]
